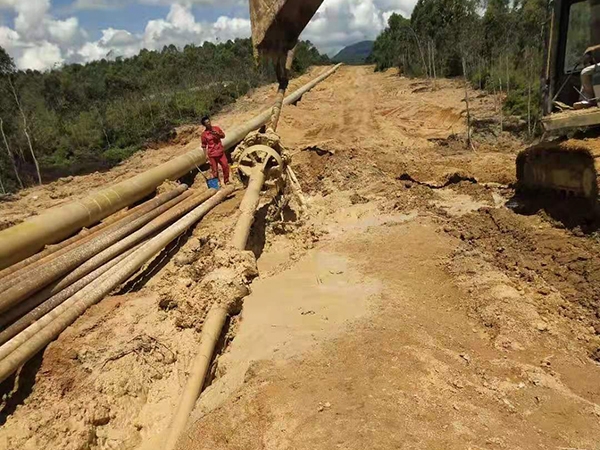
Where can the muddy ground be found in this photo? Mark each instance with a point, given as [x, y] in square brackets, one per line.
[415, 305]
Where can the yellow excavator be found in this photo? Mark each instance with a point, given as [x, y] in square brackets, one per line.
[568, 166]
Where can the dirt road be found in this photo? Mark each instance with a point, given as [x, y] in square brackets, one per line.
[410, 308]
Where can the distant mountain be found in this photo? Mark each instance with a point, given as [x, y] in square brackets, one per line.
[355, 53]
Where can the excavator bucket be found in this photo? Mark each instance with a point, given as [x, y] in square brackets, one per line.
[277, 24]
[571, 167]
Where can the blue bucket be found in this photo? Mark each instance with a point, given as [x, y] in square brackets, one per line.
[213, 183]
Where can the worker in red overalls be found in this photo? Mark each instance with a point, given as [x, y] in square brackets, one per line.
[213, 149]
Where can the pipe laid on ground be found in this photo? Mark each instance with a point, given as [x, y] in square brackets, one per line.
[120, 246]
[76, 238]
[25, 272]
[60, 265]
[53, 225]
[298, 93]
[248, 208]
[35, 307]
[297, 188]
[215, 320]
[46, 329]
[217, 315]
[211, 331]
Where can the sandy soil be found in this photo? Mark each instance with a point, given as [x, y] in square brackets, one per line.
[410, 308]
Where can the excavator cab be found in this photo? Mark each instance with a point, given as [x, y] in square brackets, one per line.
[573, 45]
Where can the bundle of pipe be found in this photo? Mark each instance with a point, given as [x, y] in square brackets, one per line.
[30, 279]
[119, 246]
[19, 312]
[56, 224]
[36, 336]
[48, 298]
[85, 233]
[39, 310]
[100, 247]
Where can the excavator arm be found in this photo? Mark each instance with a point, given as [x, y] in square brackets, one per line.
[276, 27]
[277, 24]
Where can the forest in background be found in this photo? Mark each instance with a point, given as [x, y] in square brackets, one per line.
[498, 45]
[82, 118]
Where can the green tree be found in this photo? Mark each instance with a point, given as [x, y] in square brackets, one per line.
[444, 23]
[497, 44]
[399, 46]
[84, 117]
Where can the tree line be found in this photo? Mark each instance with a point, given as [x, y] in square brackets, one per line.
[498, 46]
[81, 118]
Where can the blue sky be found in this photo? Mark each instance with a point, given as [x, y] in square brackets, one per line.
[132, 17]
[42, 34]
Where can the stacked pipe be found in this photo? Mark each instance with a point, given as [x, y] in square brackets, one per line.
[41, 299]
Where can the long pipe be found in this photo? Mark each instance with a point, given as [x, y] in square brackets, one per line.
[217, 315]
[46, 274]
[211, 330]
[53, 225]
[248, 208]
[18, 276]
[46, 329]
[57, 289]
[282, 69]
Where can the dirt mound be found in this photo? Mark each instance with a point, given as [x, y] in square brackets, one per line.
[563, 270]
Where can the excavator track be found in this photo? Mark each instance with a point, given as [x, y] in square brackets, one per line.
[569, 167]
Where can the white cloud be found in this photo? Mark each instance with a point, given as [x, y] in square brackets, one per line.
[178, 28]
[8, 37]
[118, 4]
[342, 22]
[226, 28]
[40, 57]
[117, 38]
[194, 2]
[65, 32]
[114, 42]
[403, 7]
[39, 40]
[30, 17]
